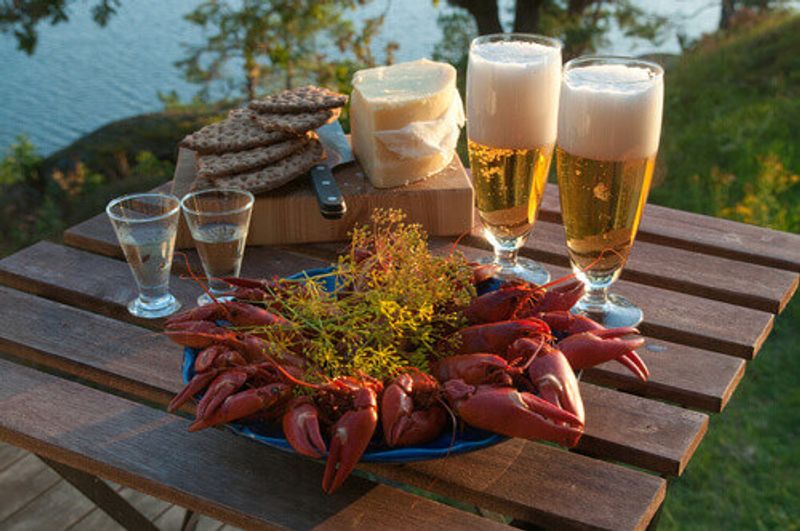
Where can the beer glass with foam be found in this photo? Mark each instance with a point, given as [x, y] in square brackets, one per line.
[513, 83]
[609, 126]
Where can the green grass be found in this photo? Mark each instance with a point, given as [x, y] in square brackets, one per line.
[731, 147]
[732, 127]
[746, 472]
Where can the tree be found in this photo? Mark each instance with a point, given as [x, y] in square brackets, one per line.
[280, 43]
[581, 24]
[729, 9]
[22, 17]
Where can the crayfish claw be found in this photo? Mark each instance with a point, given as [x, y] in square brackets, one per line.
[409, 412]
[301, 428]
[242, 405]
[350, 437]
[513, 413]
[588, 349]
[219, 390]
[195, 385]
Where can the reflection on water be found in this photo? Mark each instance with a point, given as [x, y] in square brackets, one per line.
[83, 76]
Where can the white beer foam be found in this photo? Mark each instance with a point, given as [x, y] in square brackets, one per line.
[610, 112]
[512, 94]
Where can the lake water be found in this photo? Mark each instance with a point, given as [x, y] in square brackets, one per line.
[83, 76]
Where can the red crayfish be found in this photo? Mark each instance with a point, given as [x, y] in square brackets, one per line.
[507, 372]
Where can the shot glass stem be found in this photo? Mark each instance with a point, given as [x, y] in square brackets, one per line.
[218, 287]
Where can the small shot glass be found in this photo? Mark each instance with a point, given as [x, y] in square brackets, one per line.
[218, 219]
[146, 225]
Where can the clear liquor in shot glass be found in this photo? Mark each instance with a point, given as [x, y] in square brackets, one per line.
[146, 225]
[219, 219]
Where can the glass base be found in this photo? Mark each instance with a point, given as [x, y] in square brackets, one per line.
[524, 269]
[204, 299]
[616, 312]
[153, 309]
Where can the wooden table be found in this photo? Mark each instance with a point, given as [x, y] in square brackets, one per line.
[84, 385]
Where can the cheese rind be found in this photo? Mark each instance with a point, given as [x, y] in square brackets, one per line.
[405, 120]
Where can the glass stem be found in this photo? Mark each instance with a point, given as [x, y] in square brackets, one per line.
[218, 287]
[506, 258]
[596, 297]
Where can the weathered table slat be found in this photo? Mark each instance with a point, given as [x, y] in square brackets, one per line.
[641, 432]
[669, 315]
[688, 376]
[723, 279]
[214, 472]
[59, 275]
[76, 342]
[706, 234]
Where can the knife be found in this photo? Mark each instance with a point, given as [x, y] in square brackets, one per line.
[337, 154]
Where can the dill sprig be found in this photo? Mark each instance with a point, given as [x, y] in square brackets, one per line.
[393, 305]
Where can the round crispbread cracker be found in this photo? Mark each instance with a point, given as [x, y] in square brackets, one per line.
[236, 133]
[295, 123]
[220, 165]
[276, 174]
[299, 100]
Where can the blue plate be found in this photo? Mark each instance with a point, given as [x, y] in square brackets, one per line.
[467, 439]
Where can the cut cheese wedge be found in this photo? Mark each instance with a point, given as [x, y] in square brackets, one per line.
[405, 120]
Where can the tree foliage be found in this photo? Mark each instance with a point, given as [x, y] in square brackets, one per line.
[23, 17]
[280, 43]
[581, 24]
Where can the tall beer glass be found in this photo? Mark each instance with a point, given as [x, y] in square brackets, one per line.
[609, 126]
[513, 85]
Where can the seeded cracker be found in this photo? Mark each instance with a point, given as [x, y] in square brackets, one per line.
[274, 175]
[236, 133]
[295, 123]
[209, 166]
[299, 100]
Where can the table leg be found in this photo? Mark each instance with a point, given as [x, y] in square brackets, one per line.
[104, 497]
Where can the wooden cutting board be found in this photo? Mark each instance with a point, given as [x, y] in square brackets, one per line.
[442, 203]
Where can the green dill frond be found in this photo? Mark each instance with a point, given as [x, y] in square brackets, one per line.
[395, 304]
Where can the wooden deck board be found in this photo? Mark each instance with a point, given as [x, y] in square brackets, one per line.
[21, 483]
[57, 508]
[9, 455]
[34, 479]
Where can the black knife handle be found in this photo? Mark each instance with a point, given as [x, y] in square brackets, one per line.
[331, 202]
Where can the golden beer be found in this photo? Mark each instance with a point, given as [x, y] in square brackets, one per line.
[609, 127]
[509, 184]
[602, 203]
[513, 85]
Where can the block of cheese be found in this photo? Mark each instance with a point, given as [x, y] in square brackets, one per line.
[405, 120]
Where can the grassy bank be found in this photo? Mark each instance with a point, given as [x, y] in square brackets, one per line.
[731, 140]
[40, 197]
[731, 148]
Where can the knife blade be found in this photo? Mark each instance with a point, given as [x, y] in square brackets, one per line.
[337, 154]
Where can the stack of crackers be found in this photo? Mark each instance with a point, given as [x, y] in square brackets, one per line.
[267, 144]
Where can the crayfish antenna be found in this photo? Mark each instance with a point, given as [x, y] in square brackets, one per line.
[196, 278]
